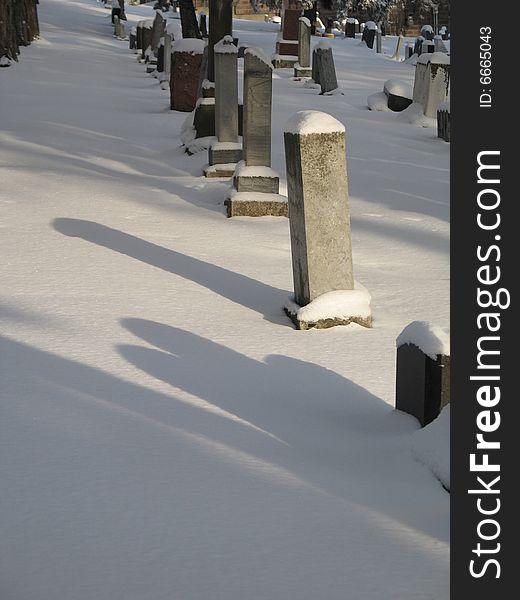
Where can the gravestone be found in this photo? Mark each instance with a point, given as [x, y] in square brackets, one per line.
[220, 25]
[167, 55]
[255, 184]
[319, 219]
[227, 150]
[369, 34]
[423, 371]
[427, 32]
[325, 68]
[379, 42]
[158, 30]
[147, 40]
[444, 122]
[287, 41]
[351, 26]
[185, 66]
[160, 58]
[439, 45]
[133, 39]
[417, 49]
[139, 36]
[303, 66]
[397, 53]
[399, 94]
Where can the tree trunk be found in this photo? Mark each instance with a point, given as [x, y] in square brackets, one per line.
[190, 27]
[18, 26]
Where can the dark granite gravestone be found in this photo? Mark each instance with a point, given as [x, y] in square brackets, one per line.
[422, 384]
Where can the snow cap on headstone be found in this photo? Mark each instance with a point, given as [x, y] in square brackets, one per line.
[189, 45]
[306, 122]
[431, 339]
[225, 46]
[257, 53]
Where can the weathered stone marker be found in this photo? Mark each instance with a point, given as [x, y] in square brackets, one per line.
[220, 25]
[147, 40]
[432, 79]
[167, 57]
[351, 27]
[397, 53]
[133, 39]
[227, 151]
[379, 41]
[186, 62]
[315, 155]
[158, 30]
[255, 184]
[423, 371]
[303, 67]
[160, 59]
[326, 69]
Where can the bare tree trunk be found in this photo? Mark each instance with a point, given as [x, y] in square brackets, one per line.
[190, 27]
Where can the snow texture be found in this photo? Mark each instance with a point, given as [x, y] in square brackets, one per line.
[430, 338]
[352, 21]
[225, 46]
[306, 122]
[431, 446]
[339, 304]
[397, 87]
[370, 25]
[378, 102]
[227, 145]
[189, 46]
[306, 21]
[414, 115]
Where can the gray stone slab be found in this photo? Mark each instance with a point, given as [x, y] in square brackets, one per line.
[226, 91]
[318, 209]
[258, 89]
[158, 29]
[327, 71]
[304, 43]
[218, 156]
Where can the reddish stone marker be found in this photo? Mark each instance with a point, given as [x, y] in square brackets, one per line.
[184, 79]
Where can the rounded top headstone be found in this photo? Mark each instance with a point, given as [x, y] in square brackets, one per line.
[306, 122]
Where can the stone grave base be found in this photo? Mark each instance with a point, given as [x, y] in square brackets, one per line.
[204, 118]
[220, 170]
[208, 89]
[225, 153]
[320, 315]
[256, 204]
[262, 180]
[302, 71]
[283, 61]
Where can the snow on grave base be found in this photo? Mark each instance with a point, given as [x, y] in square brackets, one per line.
[423, 371]
[339, 307]
[255, 204]
[319, 220]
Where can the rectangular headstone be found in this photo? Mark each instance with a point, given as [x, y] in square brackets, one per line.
[326, 70]
[319, 216]
[304, 42]
[258, 89]
[290, 23]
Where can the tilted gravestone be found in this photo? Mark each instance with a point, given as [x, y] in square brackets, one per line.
[369, 34]
[325, 68]
[255, 184]
[227, 150]
[185, 67]
[315, 156]
[303, 66]
[423, 371]
[158, 30]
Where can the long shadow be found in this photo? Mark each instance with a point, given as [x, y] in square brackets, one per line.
[238, 288]
[337, 432]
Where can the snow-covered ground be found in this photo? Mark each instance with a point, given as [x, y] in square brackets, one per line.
[165, 431]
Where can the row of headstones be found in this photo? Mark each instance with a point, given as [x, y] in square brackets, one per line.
[315, 154]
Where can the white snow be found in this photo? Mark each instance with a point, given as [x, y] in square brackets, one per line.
[225, 46]
[165, 431]
[174, 29]
[398, 88]
[306, 21]
[431, 446]
[341, 304]
[189, 45]
[430, 338]
[256, 196]
[414, 115]
[258, 53]
[306, 122]
[378, 102]
[256, 171]
[324, 44]
[370, 25]
[352, 21]
[438, 58]
[227, 145]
